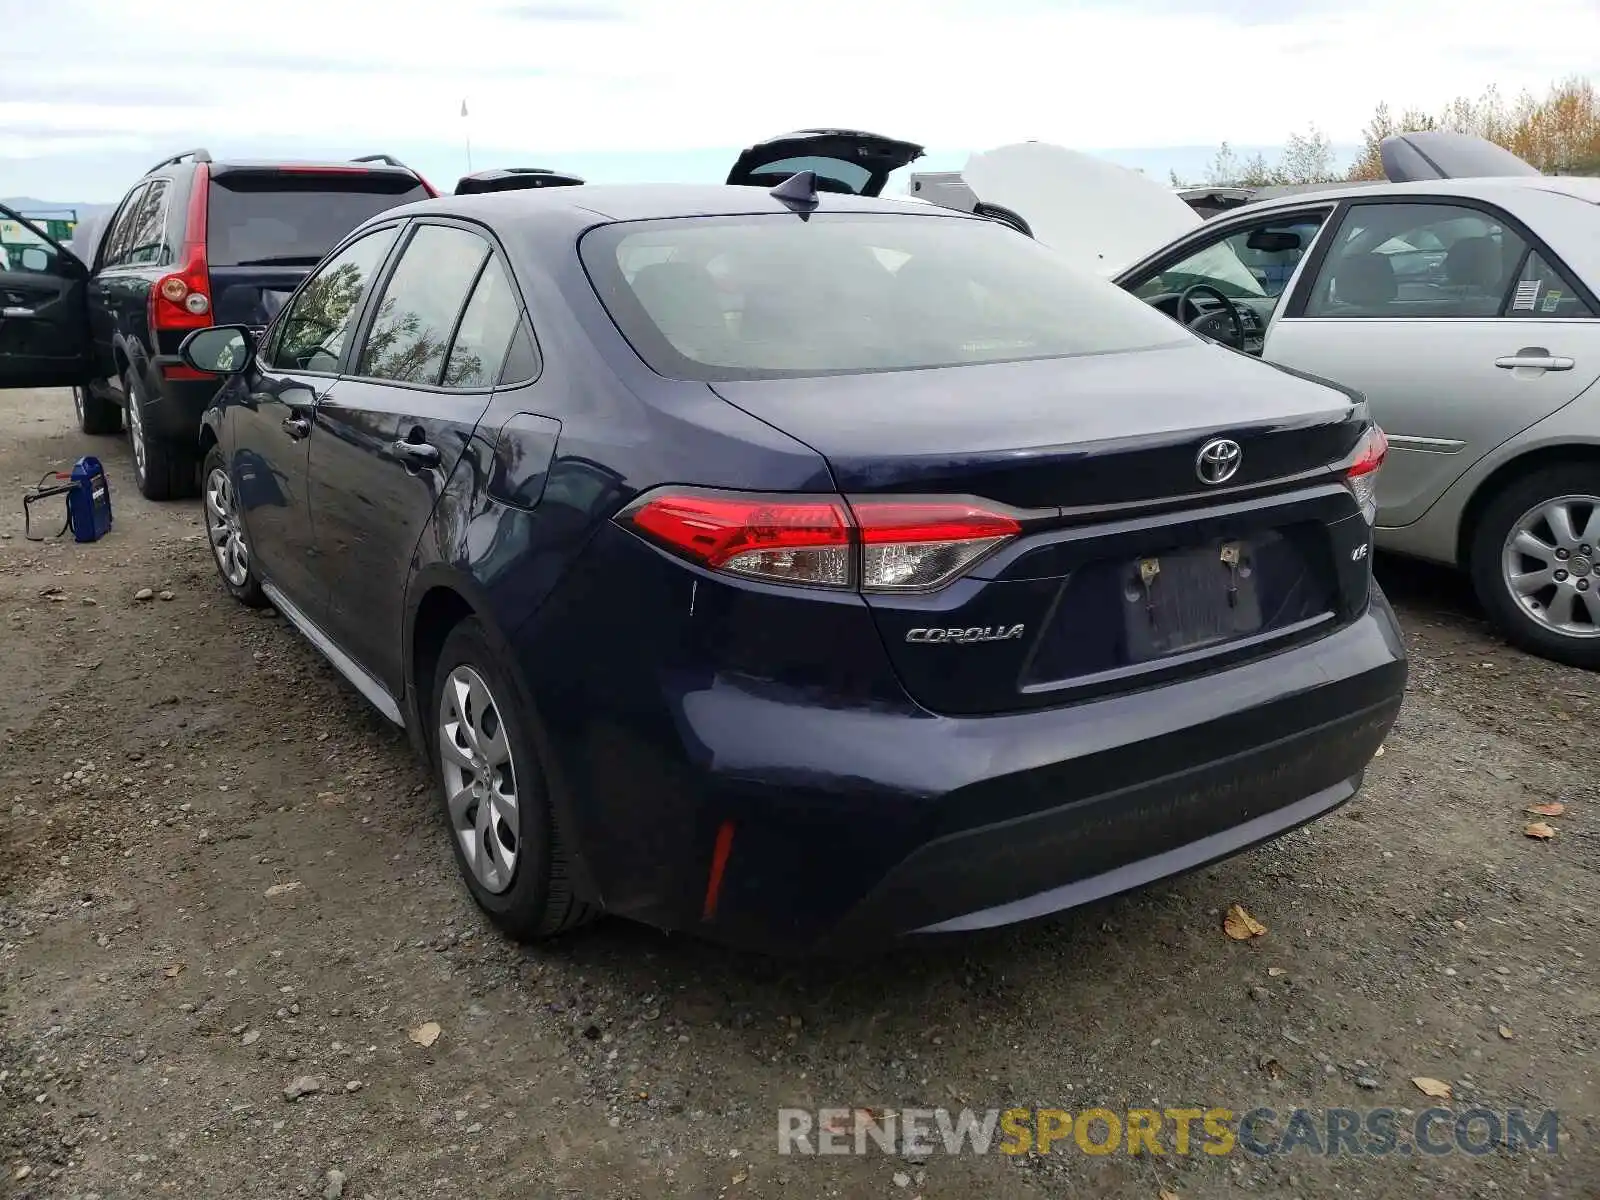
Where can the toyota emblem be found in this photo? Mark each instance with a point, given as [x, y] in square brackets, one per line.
[1218, 461]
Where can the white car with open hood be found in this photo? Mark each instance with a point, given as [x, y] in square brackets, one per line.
[1460, 297]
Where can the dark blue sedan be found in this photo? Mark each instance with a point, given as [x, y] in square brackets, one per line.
[803, 569]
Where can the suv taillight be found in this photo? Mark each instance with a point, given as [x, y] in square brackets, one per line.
[1362, 474]
[182, 299]
[874, 544]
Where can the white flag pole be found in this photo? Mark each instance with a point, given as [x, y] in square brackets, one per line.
[468, 127]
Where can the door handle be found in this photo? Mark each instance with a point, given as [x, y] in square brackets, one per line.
[420, 454]
[1536, 358]
[16, 312]
[297, 426]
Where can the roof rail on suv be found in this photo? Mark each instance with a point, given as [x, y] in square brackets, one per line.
[199, 154]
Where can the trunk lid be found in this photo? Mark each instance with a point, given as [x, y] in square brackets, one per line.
[845, 160]
[1128, 569]
[1095, 430]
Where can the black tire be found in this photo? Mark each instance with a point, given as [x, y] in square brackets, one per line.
[167, 470]
[539, 903]
[249, 592]
[1494, 526]
[96, 414]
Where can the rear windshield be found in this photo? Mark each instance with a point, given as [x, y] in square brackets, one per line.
[767, 296]
[293, 220]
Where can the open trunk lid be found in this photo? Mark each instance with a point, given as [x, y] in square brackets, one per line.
[514, 179]
[845, 160]
[1126, 563]
[1445, 154]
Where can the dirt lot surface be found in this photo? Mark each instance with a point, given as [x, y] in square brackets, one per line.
[221, 873]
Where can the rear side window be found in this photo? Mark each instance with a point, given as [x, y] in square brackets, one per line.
[1542, 292]
[485, 331]
[140, 235]
[753, 297]
[274, 218]
[421, 303]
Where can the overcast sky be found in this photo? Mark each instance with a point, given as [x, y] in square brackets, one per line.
[91, 88]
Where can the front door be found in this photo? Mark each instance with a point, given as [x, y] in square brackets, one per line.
[270, 417]
[1460, 333]
[44, 319]
[390, 433]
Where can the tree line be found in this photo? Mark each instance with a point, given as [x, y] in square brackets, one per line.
[1559, 134]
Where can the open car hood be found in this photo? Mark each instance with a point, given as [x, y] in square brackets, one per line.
[1102, 216]
[845, 160]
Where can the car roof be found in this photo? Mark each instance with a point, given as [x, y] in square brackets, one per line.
[643, 202]
[1583, 188]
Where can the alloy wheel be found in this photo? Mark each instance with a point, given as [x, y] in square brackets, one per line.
[77, 404]
[480, 781]
[225, 529]
[1551, 565]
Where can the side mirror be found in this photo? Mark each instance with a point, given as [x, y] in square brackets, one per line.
[35, 259]
[219, 350]
[1273, 241]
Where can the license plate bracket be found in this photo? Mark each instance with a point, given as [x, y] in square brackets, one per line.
[1189, 598]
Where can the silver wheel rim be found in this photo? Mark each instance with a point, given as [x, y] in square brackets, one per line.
[1551, 565]
[136, 433]
[225, 529]
[77, 403]
[480, 782]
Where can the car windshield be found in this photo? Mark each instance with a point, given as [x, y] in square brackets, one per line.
[283, 219]
[752, 297]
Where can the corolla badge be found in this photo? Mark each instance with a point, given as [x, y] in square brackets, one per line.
[962, 637]
[1218, 461]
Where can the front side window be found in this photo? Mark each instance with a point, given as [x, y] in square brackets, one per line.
[416, 317]
[314, 328]
[1423, 261]
[1255, 262]
[766, 296]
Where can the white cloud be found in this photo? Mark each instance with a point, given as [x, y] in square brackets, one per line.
[679, 74]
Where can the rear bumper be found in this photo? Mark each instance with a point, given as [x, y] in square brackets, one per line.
[855, 826]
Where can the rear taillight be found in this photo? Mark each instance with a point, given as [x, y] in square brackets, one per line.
[182, 300]
[877, 545]
[1362, 473]
[911, 546]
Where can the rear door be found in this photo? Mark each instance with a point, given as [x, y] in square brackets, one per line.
[1459, 325]
[845, 160]
[44, 320]
[268, 224]
[391, 431]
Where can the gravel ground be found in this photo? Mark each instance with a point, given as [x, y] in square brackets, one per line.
[223, 881]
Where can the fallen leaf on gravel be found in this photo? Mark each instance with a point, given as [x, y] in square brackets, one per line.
[426, 1034]
[1166, 1195]
[1276, 971]
[173, 971]
[1378, 753]
[279, 889]
[1437, 1088]
[1241, 926]
[1505, 1032]
[1554, 809]
[741, 1176]
[22, 1173]
[1540, 830]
